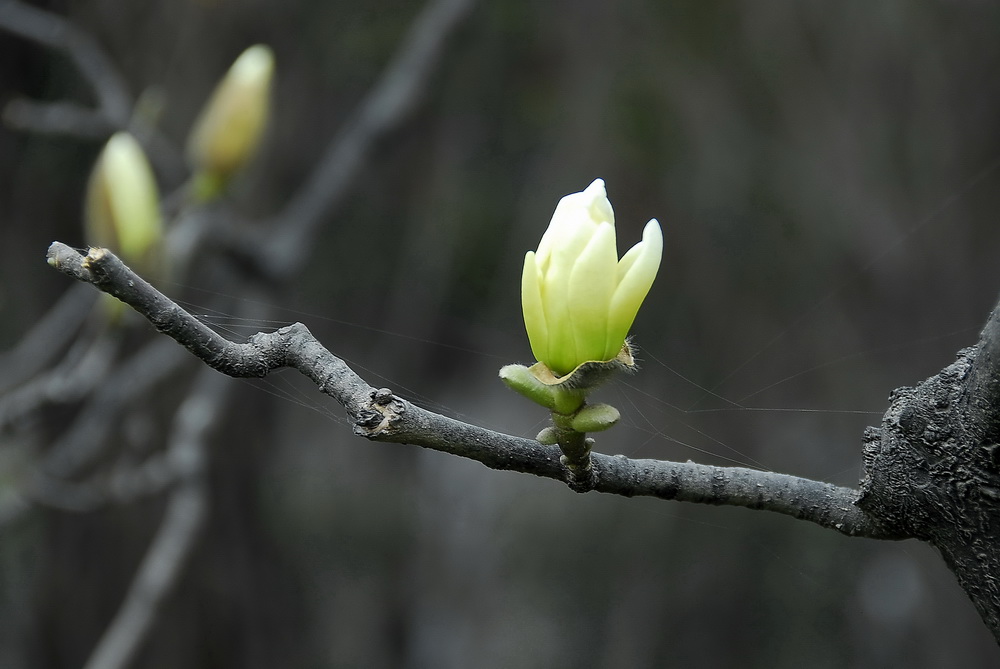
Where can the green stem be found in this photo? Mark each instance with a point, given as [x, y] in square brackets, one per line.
[575, 447]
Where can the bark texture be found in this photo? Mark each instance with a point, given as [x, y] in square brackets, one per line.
[932, 469]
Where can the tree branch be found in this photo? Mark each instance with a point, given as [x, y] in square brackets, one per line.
[57, 118]
[82, 368]
[83, 443]
[933, 467]
[380, 415]
[183, 519]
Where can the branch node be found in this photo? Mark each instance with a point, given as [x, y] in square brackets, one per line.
[579, 479]
[580, 469]
[379, 414]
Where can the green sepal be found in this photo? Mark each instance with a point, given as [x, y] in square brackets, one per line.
[548, 436]
[595, 418]
[520, 379]
[557, 398]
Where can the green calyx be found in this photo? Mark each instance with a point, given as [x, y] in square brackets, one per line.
[565, 394]
[572, 417]
[552, 396]
[566, 397]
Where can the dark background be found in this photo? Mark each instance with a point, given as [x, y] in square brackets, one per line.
[826, 177]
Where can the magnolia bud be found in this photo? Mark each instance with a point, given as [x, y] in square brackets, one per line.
[122, 209]
[229, 129]
[579, 300]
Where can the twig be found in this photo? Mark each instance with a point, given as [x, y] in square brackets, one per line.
[380, 415]
[184, 517]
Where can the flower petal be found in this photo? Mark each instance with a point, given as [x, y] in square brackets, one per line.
[636, 272]
[531, 305]
[569, 231]
[574, 221]
[561, 344]
[591, 285]
[598, 204]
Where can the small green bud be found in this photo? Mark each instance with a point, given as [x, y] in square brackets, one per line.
[595, 418]
[548, 436]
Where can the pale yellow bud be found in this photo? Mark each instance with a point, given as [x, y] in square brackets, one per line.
[229, 129]
[578, 298]
[122, 209]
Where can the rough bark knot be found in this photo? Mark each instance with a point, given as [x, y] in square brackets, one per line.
[379, 414]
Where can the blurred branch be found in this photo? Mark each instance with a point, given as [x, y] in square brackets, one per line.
[114, 103]
[122, 486]
[58, 118]
[46, 338]
[55, 32]
[184, 517]
[82, 443]
[82, 368]
[396, 94]
[379, 415]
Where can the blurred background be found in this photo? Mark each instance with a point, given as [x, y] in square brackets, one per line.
[827, 180]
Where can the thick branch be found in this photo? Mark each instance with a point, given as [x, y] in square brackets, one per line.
[982, 398]
[933, 467]
[382, 416]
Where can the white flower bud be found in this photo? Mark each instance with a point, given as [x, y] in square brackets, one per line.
[579, 300]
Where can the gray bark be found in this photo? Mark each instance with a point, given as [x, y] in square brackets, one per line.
[932, 469]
